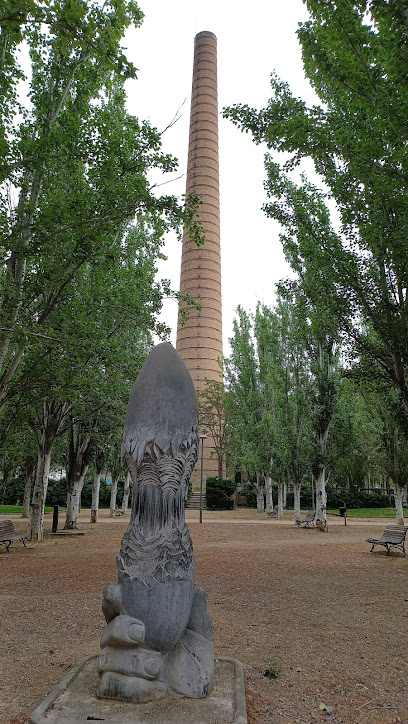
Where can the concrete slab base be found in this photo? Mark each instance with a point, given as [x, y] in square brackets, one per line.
[66, 532]
[73, 701]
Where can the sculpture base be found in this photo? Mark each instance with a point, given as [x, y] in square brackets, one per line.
[74, 701]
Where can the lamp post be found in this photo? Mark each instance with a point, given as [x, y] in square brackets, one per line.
[202, 438]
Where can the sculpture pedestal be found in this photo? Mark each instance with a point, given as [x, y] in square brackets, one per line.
[74, 701]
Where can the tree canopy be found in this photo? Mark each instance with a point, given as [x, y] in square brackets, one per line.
[74, 170]
[353, 265]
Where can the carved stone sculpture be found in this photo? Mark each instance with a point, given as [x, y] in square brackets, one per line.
[158, 638]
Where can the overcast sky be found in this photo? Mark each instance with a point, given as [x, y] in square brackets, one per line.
[253, 40]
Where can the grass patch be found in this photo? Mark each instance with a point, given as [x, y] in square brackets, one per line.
[369, 512]
[273, 670]
[15, 509]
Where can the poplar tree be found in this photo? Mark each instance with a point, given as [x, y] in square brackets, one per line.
[355, 55]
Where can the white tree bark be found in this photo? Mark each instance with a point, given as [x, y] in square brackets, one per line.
[114, 490]
[74, 501]
[28, 473]
[399, 508]
[321, 501]
[296, 500]
[260, 493]
[79, 452]
[36, 524]
[95, 495]
[54, 413]
[285, 490]
[269, 495]
[280, 500]
[126, 491]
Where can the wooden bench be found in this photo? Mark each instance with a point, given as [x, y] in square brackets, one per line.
[308, 520]
[393, 537]
[8, 534]
[273, 513]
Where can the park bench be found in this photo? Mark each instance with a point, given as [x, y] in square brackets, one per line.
[8, 534]
[308, 520]
[393, 537]
[273, 513]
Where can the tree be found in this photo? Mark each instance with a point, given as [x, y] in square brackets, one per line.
[211, 403]
[75, 162]
[248, 447]
[391, 445]
[296, 435]
[49, 422]
[271, 352]
[355, 56]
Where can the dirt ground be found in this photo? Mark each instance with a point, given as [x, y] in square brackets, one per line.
[331, 615]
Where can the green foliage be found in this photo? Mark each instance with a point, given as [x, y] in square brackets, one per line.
[78, 166]
[247, 489]
[371, 512]
[354, 269]
[211, 404]
[17, 509]
[219, 494]
[357, 499]
[14, 491]
[273, 669]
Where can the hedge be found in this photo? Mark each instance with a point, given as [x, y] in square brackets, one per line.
[219, 494]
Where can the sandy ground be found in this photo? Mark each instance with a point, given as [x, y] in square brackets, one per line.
[331, 615]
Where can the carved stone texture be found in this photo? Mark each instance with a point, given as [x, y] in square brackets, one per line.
[158, 637]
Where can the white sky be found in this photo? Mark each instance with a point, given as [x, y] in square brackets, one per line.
[253, 40]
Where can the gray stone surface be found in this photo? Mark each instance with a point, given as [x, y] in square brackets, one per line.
[74, 701]
[158, 639]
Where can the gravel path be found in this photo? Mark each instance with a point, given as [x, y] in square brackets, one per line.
[332, 616]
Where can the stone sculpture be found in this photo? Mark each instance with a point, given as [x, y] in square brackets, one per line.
[158, 638]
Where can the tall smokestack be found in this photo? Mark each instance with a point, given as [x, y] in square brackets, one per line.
[199, 341]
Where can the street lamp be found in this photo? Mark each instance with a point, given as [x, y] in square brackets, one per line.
[202, 438]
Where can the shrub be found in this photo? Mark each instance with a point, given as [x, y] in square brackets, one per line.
[248, 490]
[219, 494]
[357, 499]
[273, 670]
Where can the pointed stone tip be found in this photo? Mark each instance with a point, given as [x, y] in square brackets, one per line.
[163, 407]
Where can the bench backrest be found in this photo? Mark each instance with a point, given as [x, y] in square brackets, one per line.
[394, 535]
[7, 528]
[310, 515]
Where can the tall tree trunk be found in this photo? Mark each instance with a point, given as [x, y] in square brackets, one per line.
[280, 500]
[285, 491]
[95, 495]
[28, 474]
[399, 508]
[296, 499]
[74, 501]
[114, 490]
[54, 414]
[260, 493]
[269, 495]
[321, 501]
[126, 491]
[36, 524]
[79, 452]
